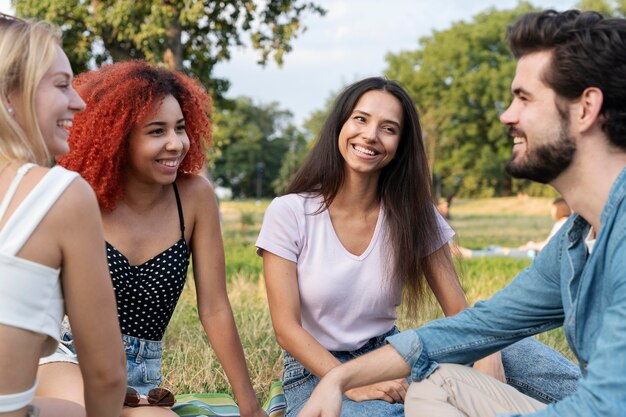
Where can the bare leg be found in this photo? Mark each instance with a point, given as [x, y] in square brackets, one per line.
[54, 407]
[148, 412]
[61, 380]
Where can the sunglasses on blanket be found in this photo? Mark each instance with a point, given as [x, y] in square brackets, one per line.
[158, 397]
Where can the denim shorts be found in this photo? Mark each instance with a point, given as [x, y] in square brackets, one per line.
[299, 383]
[65, 352]
[143, 359]
[143, 362]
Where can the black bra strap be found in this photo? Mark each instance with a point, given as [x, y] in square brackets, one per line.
[181, 219]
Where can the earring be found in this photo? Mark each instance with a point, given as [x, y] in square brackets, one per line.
[11, 110]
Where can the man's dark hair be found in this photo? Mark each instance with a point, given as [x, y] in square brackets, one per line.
[588, 50]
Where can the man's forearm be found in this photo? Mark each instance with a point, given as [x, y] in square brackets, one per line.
[383, 364]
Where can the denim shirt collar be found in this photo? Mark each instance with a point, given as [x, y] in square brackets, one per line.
[616, 195]
[579, 227]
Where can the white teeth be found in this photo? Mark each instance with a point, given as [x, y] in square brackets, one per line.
[364, 150]
[168, 163]
[65, 123]
[517, 141]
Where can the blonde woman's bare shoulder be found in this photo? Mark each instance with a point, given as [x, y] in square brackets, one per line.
[77, 201]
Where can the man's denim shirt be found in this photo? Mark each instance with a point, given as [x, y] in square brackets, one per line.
[563, 287]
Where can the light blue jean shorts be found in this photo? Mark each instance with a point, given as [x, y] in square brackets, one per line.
[143, 362]
[65, 352]
[299, 382]
[143, 359]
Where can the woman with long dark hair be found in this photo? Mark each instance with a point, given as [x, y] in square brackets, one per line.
[357, 233]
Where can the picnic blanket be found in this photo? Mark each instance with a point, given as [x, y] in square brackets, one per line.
[216, 404]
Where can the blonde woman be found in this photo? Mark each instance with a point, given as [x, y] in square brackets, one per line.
[52, 259]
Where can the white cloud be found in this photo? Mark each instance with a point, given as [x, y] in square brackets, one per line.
[5, 6]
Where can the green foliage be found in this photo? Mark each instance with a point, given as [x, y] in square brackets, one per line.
[241, 257]
[606, 7]
[460, 80]
[291, 162]
[183, 34]
[249, 144]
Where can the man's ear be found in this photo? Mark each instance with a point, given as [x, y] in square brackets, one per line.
[587, 114]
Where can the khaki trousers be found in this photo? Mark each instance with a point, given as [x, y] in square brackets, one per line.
[459, 391]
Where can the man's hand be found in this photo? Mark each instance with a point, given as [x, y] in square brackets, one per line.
[392, 391]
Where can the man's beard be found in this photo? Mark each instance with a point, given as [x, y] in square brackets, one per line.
[544, 162]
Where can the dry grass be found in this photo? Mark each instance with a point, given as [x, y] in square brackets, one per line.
[189, 363]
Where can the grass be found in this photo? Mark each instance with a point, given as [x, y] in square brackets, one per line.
[190, 365]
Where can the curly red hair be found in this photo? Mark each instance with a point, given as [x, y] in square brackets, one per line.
[118, 96]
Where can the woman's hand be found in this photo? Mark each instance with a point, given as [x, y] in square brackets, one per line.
[392, 391]
[492, 366]
[325, 401]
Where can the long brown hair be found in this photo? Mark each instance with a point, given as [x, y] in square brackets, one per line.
[404, 186]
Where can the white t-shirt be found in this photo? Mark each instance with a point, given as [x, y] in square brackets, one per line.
[344, 299]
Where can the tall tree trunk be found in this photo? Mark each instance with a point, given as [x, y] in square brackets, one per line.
[173, 55]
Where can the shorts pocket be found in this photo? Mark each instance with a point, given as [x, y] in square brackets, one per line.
[295, 374]
[144, 375]
[152, 373]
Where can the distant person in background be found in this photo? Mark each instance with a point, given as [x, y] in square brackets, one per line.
[559, 211]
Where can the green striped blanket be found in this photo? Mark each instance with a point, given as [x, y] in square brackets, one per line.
[215, 404]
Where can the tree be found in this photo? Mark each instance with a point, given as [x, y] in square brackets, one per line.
[250, 143]
[302, 144]
[298, 150]
[189, 35]
[460, 80]
[606, 7]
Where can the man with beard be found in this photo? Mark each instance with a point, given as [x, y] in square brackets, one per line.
[568, 123]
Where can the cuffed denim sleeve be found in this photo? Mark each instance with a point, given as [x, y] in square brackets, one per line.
[409, 346]
[531, 304]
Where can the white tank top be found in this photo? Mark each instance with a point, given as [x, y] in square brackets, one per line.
[30, 293]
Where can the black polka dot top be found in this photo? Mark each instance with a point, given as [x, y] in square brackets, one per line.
[147, 294]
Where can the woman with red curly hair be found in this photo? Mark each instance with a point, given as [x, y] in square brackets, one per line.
[141, 145]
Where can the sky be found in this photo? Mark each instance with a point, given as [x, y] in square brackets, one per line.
[349, 43]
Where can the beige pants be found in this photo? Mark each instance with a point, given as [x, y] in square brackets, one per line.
[460, 391]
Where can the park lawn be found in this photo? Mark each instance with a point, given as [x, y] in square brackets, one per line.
[190, 365]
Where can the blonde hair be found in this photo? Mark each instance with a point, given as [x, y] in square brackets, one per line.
[27, 49]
